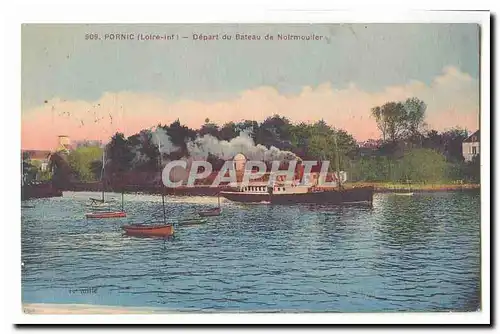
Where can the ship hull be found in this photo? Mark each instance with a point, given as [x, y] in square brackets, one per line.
[335, 197]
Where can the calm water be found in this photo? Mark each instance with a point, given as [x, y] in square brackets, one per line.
[419, 253]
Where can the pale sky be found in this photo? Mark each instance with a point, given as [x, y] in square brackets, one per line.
[92, 89]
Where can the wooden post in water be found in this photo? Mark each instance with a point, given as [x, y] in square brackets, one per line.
[163, 204]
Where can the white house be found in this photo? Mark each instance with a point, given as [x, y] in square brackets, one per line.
[470, 146]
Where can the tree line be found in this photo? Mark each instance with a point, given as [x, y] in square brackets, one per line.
[407, 150]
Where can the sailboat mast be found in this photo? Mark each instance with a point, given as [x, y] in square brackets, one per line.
[337, 158]
[163, 204]
[102, 173]
[162, 190]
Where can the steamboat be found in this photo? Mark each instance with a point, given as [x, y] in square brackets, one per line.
[315, 191]
[295, 194]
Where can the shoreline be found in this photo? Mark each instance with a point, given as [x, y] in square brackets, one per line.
[86, 309]
[46, 308]
[208, 191]
[416, 188]
[204, 190]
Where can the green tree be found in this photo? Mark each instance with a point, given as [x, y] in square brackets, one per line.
[452, 143]
[472, 170]
[390, 120]
[61, 171]
[229, 131]
[247, 125]
[414, 116]
[81, 162]
[29, 170]
[369, 169]
[209, 129]
[274, 131]
[400, 120]
[299, 136]
[96, 169]
[421, 165]
[119, 155]
[324, 143]
[179, 135]
[145, 151]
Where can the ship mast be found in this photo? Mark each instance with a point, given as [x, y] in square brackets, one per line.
[162, 189]
[102, 173]
[337, 158]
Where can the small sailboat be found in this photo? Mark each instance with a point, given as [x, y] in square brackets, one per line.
[408, 192]
[100, 202]
[107, 214]
[142, 230]
[212, 212]
[152, 229]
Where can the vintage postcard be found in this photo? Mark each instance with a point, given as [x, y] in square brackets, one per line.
[251, 168]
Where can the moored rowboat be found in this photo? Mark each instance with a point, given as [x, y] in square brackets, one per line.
[191, 221]
[149, 230]
[210, 213]
[104, 214]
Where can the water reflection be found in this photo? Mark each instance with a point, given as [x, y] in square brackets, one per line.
[405, 220]
[419, 253]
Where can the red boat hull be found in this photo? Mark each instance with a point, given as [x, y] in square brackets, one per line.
[97, 215]
[149, 231]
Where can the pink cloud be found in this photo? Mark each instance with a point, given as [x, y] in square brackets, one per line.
[452, 99]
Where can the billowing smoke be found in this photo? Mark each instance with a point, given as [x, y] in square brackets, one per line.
[201, 147]
[162, 140]
[159, 137]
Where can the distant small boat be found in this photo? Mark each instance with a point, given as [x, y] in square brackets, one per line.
[162, 230]
[191, 221]
[100, 202]
[408, 192]
[210, 212]
[27, 206]
[106, 214]
[97, 203]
